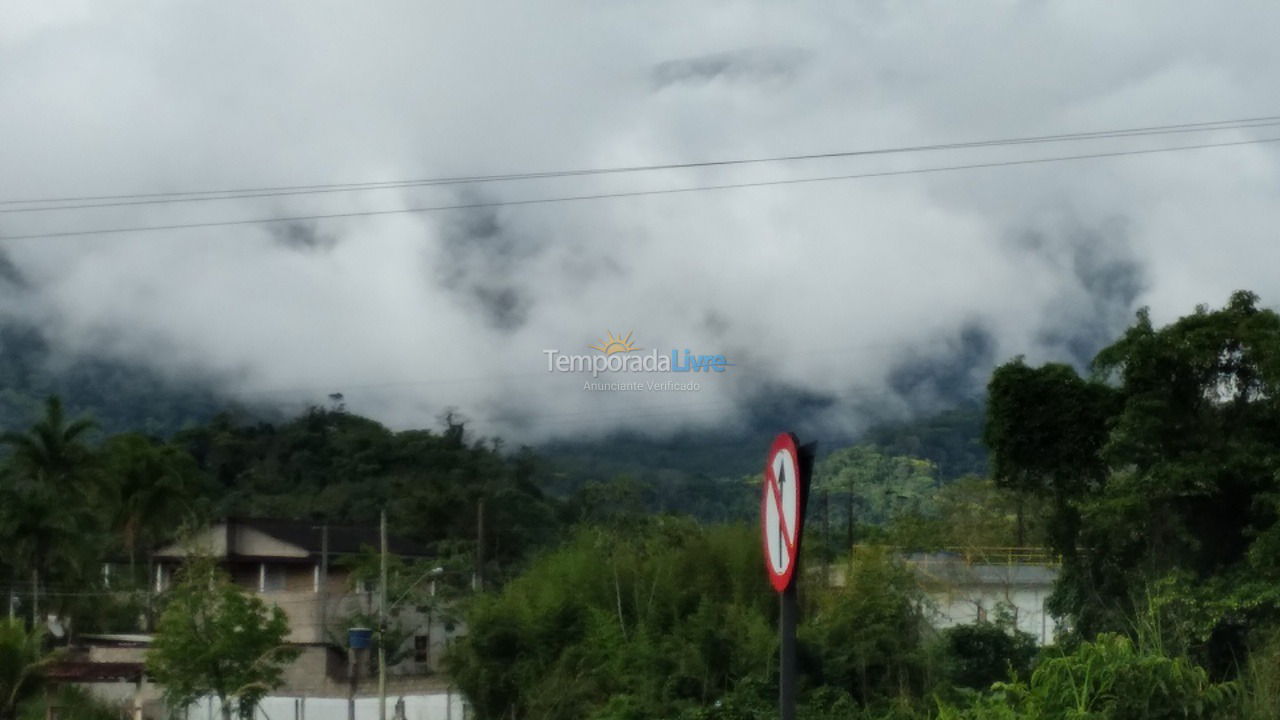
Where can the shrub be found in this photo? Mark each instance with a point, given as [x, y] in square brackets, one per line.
[71, 703]
[1108, 679]
[976, 656]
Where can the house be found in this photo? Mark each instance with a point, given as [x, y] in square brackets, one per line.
[296, 566]
[290, 563]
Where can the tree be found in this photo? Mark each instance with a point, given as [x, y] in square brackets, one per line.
[52, 448]
[337, 467]
[22, 659]
[420, 594]
[985, 652]
[214, 639]
[148, 484]
[1045, 428]
[880, 485]
[865, 636]
[969, 513]
[1163, 463]
[44, 512]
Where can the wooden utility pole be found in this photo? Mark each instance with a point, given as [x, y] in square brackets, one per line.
[382, 625]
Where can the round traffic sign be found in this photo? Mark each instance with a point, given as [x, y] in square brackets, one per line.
[780, 510]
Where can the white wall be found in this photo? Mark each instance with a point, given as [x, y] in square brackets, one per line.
[434, 706]
[964, 605]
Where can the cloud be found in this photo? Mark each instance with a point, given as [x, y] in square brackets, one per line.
[761, 65]
[841, 300]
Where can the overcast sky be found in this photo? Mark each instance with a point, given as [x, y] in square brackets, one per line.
[891, 294]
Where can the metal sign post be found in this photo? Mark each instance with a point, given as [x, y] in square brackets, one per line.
[782, 503]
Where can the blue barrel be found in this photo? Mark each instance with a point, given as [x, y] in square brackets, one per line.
[359, 638]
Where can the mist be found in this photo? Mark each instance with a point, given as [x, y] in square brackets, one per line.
[847, 300]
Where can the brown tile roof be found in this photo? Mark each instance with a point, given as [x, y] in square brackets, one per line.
[85, 671]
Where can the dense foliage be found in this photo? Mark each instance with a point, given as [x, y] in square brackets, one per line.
[665, 618]
[1107, 679]
[69, 504]
[72, 702]
[642, 622]
[985, 653]
[333, 466]
[1160, 470]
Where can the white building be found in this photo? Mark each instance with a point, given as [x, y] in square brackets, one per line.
[970, 585]
[965, 587]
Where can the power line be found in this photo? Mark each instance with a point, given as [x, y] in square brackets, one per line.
[102, 201]
[631, 193]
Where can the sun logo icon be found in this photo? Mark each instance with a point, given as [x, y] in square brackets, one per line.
[612, 345]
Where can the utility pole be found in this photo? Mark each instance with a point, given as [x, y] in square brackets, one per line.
[479, 580]
[848, 527]
[826, 538]
[382, 625]
[151, 593]
[353, 671]
[324, 583]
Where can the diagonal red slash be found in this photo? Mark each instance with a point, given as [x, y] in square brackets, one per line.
[776, 494]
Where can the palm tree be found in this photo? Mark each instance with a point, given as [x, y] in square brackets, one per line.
[52, 448]
[48, 473]
[22, 660]
[147, 483]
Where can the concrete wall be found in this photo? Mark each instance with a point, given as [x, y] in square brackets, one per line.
[318, 675]
[129, 697]
[968, 605]
[313, 618]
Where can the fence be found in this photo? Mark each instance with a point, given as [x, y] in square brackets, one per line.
[972, 555]
[447, 705]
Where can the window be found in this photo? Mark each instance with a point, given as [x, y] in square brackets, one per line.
[420, 648]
